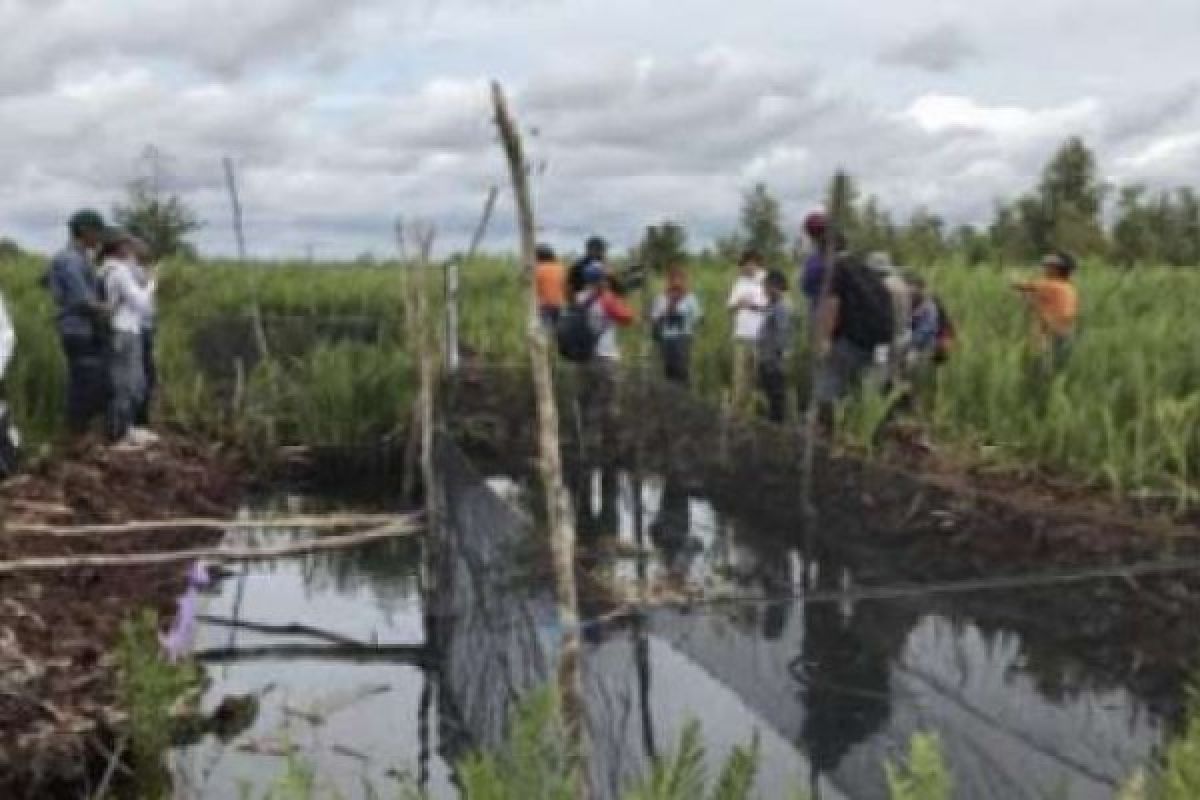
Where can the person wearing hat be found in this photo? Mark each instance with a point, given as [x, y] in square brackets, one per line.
[1055, 306]
[595, 252]
[130, 302]
[81, 319]
[900, 292]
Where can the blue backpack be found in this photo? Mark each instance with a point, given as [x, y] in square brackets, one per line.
[577, 338]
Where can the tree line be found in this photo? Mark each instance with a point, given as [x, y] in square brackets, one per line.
[1069, 208]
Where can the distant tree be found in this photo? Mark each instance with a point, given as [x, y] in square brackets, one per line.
[971, 244]
[841, 204]
[1006, 236]
[1070, 197]
[1133, 231]
[9, 249]
[762, 225]
[923, 239]
[160, 219]
[875, 229]
[663, 245]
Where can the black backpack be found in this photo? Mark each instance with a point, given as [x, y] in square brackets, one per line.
[576, 337]
[867, 314]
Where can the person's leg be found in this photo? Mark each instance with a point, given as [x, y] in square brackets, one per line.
[674, 353]
[124, 366]
[150, 374]
[739, 378]
[85, 382]
[771, 381]
[685, 360]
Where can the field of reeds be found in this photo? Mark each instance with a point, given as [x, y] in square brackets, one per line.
[287, 353]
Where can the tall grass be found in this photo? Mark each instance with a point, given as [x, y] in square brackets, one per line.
[1124, 414]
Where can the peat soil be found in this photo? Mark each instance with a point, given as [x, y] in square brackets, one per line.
[59, 628]
[907, 522]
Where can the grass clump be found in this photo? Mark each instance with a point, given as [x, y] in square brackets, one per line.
[149, 688]
[924, 776]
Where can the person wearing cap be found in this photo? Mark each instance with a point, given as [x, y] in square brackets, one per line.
[1055, 306]
[747, 304]
[595, 252]
[129, 302]
[773, 344]
[550, 282]
[81, 319]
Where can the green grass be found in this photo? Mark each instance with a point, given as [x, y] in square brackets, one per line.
[1124, 415]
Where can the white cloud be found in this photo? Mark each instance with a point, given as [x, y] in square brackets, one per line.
[343, 115]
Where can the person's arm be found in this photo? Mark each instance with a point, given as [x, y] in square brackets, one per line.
[128, 290]
[616, 309]
[76, 294]
[8, 338]
[735, 299]
[659, 309]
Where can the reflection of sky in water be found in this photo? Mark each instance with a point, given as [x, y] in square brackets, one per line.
[843, 685]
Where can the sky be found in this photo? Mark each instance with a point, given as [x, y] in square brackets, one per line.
[342, 117]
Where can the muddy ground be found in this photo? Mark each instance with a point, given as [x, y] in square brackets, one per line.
[58, 701]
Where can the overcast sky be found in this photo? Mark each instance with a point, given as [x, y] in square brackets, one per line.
[343, 115]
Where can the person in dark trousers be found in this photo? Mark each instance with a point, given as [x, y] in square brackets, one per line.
[674, 316]
[81, 319]
[774, 343]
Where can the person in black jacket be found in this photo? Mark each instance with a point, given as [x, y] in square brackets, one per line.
[595, 252]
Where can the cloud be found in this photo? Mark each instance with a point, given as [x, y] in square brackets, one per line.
[343, 116]
[941, 48]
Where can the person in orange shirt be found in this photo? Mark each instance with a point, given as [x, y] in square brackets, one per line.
[550, 280]
[1055, 305]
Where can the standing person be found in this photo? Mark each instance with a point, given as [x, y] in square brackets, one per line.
[144, 273]
[595, 252]
[81, 319]
[606, 312]
[812, 274]
[854, 320]
[129, 303]
[550, 282]
[747, 303]
[674, 316]
[774, 342]
[892, 355]
[1055, 305]
[9, 439]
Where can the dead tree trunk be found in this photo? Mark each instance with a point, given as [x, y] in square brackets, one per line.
[559, 518]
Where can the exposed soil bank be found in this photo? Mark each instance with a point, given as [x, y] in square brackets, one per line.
[58, 628]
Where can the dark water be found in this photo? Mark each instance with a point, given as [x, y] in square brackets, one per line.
[831, 688]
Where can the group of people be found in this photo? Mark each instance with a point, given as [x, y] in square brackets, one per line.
[104, 284]
[865, 315]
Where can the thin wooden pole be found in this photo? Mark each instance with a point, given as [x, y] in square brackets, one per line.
[235, 204]
[211, 553]
[559, 517]
[175, 525]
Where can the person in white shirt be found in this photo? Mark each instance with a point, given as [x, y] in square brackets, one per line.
[129, 302]
[748, 304]
[10, 440]
[8, 338]
[144, 272]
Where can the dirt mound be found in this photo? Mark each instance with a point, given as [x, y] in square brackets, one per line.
[58, 628]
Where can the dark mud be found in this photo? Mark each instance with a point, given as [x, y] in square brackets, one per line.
[58, 701]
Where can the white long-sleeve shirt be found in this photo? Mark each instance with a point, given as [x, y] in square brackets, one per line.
[130, 301]
[8, 338]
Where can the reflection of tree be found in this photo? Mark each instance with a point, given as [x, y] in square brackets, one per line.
[597, 503]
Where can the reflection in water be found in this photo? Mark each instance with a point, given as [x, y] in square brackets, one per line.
[831, 690]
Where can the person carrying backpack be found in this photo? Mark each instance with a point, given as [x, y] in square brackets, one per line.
[853, 321]
[595, 252]
[588, 336]
[675, 315]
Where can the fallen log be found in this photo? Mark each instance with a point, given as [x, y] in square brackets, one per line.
[292, 629]
[409, 655]
[217, 554]
[326, 522]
